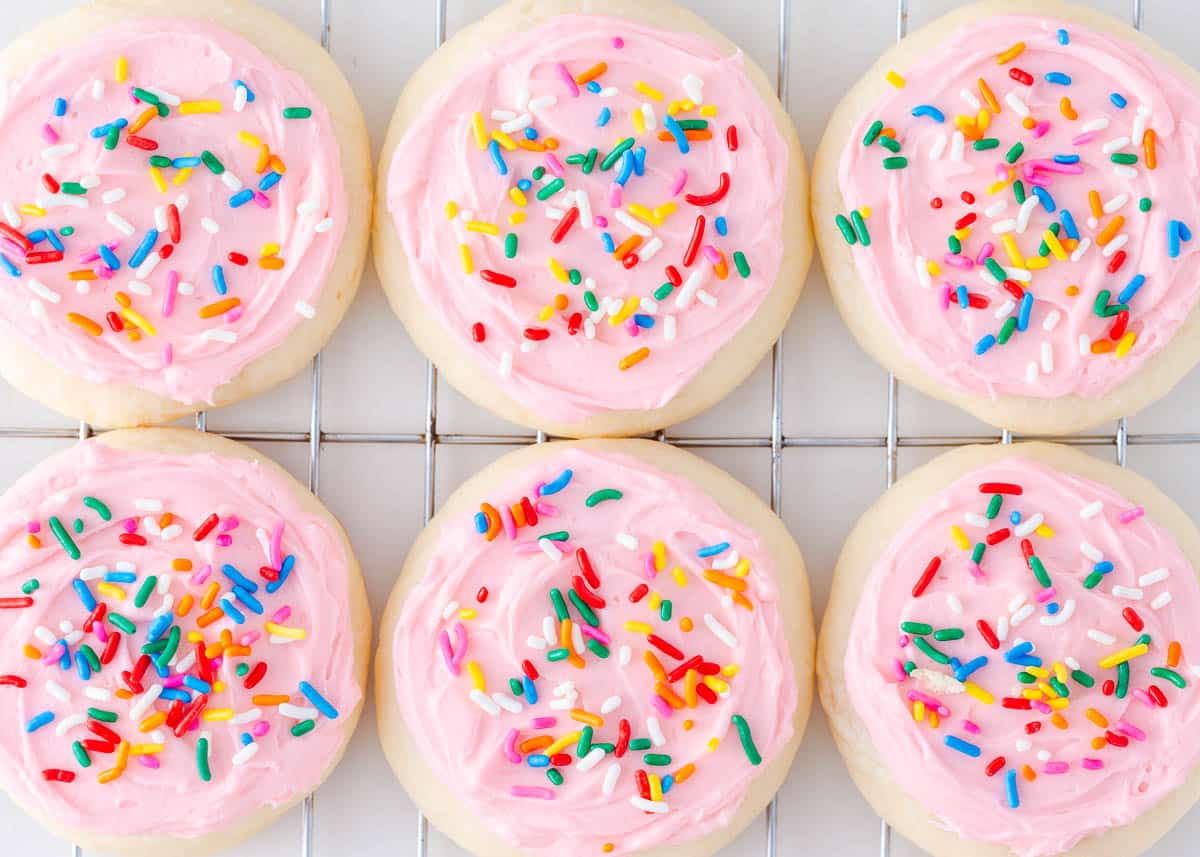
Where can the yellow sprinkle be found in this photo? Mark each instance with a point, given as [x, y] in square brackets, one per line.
[638, 628]
[679, 576]
[111, 590]
[120, 69]
[157, 177]
[149, 749]
[895, 80]
[1050, 692]
[708, 110]
[137, 320]
[713, 743]
[647, 90]
[742, 568]
[934, 720]
[644, 214]
[1010, 54]
[32, 210]
[1039, 672]
[217, 714]
[249, 139]
[468, 265]
[654, 601]
[451, 209]
[467, 614]
[660, 556]
[1032, 694]
[480, 226]
[1055, 245]
[978, 692]
[662, 212]
[996, 187]
[1120, 657]
[506, 142]
[1061, 702]
[110, 775]
[558, 270]
[476, 674]
[639, 122]
[687, 104]
[270, 249]
[1097, 718]
[655, 786]
[285, 631]
[960, 538]
[182, 176]
[1013, 251]
[730, 670]
[1045, 532]
[716, 684]
[627, 309]
[516, 218]
[517, 196]
[479, 130]
[195, 636]
[934, 269]
[1036, 263]
[1125, 344]
[153, 721]
[561, 744]
[963, 234]
[188, 108]
[918, 711]
[546, 312]
[1060, 671]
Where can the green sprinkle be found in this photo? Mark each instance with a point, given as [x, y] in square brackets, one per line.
[163, 109]
[662, 292]
[510, 245]
[159, 161]
[143, 593]
[210, 160]
[77, 525]
[605, 746]
[693, 124]
[588, 614]
[1006, 330]
[64, 538]
[860, 228]
[554, 776]
[1170, 675]
[597, 648]
[1015, 152]
[550, 188]
[1122, 679]
[895, 163]
[560, 606]
[67, 231]
[146, 96]
[1142, 639]
[574, 276]
[1144, 203]
[954, 244]
[297, 112]
[111, 138]
[612, 157]
[1039, 571]
[846, 229]
[994, 505]
[743, 729]
[122, 623]
[994, 269]
[90, 656]
[598, 497]
[890, 144]
[1060, 688]
[986, 143]
[639, 744]
[556, 536]
[155, 647]
[30, 586]
[930, 651]
[73, 188]
[1019, 192]
[557, 655]
[946, 634]
[517, 688]
[1110, 311]
[1082, 678]
[873, 133]
[242, 669]
[1092, 580]
[977, 554]
[1123, 158]
[585, 741]
[918, 628]
[1101, 302]
[739, 261]
[303, 727]
[576, 159]
[168, 652]
[664, 610]
[909, 666]
[1026, 678]
[589, 300]
[589, 163]
[102, 715]
[659, 760]
[81, 755]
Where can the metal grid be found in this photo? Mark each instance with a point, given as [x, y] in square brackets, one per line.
[890, 441]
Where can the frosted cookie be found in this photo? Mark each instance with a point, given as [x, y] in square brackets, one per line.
[1010, 656]
[1005, 205]
[602, 647]
[183, 217]
[591, 216]
[184, 642]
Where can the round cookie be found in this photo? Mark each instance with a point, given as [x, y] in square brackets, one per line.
[594, 305]
[269, 629]
[465, 603]
[138, 284]
[1072, 358]
[1050, 721]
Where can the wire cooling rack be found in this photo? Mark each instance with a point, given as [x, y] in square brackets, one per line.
[429, 439]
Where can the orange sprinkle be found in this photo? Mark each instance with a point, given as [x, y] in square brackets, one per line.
[212, 650]
[684, 773]
[152, 722]
[607, 847]
[1028, 773]
[1095, 204]
[33, 541]
[264, 158]
[551, 143]
[688, 724]
[530, 145]
[1099, 743]
[1072, 291]
[110, 775]
[211, 616]
[534, 744]
[1148, 141]
[237, 651]
[1102, 346]
[689, 688]
[627, 246]
[686, 624]
[181, 564]
[219, 307]
[1174, 653]
[1110, 231]
[656, 667]
[1064, 107]
[673, 699]
[31, 652]
[185, 605]
[633, 358]
[989, 97]
[1058, 720]
[269, 698]
[564, 635]
[122, 693]
[737, 584]
[271, 263]
[277, 165]
[1028, 122]
[210, 595]
[560, 301]
[888, 132]
[142, 119]
[742, 601]
[586, 717]
[122, 299]
[165, 520]
[85, 274]
[591, 74]
[1097, 718]
[698, 134]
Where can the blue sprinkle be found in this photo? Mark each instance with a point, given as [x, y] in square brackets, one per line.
[497, 158]
[1014, 799]
[1118, 100]
[1015, 518]
[1066, 159]
[82, 666]
[232, 612]
[1019, 650]
[531, 695]
[163, 672]
[1052, 607]
[607, 241]
[158, 627]
[721, 226]
[101, 130]
[537, 760]
[218, 278]
[930, 111]
[712, 550]
[13, 270]
[37, 236]
[289, 563]
[481, 523]
[248, 601]
[240, 198]
[120, 577]
[1131, 289]
[984, 344]
[1103, 567]
[60, 107]
[175, 693]
[639, 161]
[955, 664]
[184, 163]
[678, 133]
[965, 747]
[38, 721]
[1173, 239]
[1024, 311]
[269, 180]
[55, 241]
[64, 662]
[964, 672]
[85, 594]
[1045, 198]
[1059, 78]
[563, 480]
[1064, 38]
[1068, 222]
[249, 91]
[626, 168]
[642, 320]
[247, 739]
[197, 684]
[603, 118]
[524, 185]
[960, 294]
[592, 87]
[319, 702]
[531, 133]
[144, 248]
[109, 258]
[238, 578]
[667, 782]
[1027, 661]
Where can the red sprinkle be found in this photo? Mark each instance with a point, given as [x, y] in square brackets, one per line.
[622, 739]
[1021, 76]
[12, 681]
[206, 527]
[993, 766]
[17, 601]
[673, 276]
[643, 783]
[639, 592]
[255, 675]
[731, 139]
[190, 714]
[936, 202]
[1116, 740]
[1016, 702]
[1118, 328]
[94, 746]
[1027, 551]
[629, 260]
[17, 236]
[478, 333]
[564, 224]
[977, 301]
[1109, 687]
[1117, 261]
[110, 648]
[58, 775]
[165, 251]
[989, 636]
[692, 663]
[131, 539]
[115, 322]
[1033, 726]
[926, 577]
[966, 220]
[144, 143]
[574, 323]
[174, 713]
[706, 693]
[1160, 699]
[693, 247]
[968, 197]
[268, 573]
[498, 279]
[703, 199]
[994, 538]
[537, 334]
[1014, 289]
[95, 616]
[50, 183]
[530, 670]
[174, 228]
[42, 257]
[531, 516]
[1135, 621]
[103, 732]
[589, 573]
[1000, 488]
[238, 258]
[560, 760]
[482, 595]
[140, 666]
[590, 598]
[664, 647]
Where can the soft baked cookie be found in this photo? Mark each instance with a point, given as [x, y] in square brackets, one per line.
[1010, 656]
[185, 639]
[1004, 205]
[596, 647]
[183, 216]
[591, 215]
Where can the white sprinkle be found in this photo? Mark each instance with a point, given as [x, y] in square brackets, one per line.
[60, 200]
[119, 223]
[1051, 320]
[507, 703]
[42, 291]
[648, 116]
[1129, 592]
[1014, 101]
[217, 335]
[542, 101]
[143, 703]
[324, 226]
[484, 701]
[726, 560]
[68, 723]
[591, 760]
[186, 288]
[720, 631]
[1091, 551]
[60, 151]
[506, 362]
[1028, 525]
[971, 100]
[1002, 628]
[1084, 245]
[97, 89]
[1022, 614]
[610, 705]
[705, 298]
[657, 738]
[186, 662]
[631, 223]
[694, 87]
[938, 148]
[181, 201]
[1101, 637]
[550, 549]
[650, 249]
[90, 181]
[1047, 358]
[535, 642]
[1023, 745]
[996, 208]
[609, 92]
[1000, 227]
[240, 97]
[72, 637]
[691, 285]
[584, 204]
[655, 806]
[164, 96]
[1152, 577]
[1114, 144]
[589, 329]
[518, 123]
[247, 752]
[1015, 604]
[209, 225]
[577, 637]
[305, 310]
[143, 504]
[1085, 344]
[45, 634]
[449, 610]
[550, 630]
[623, 655]
[957, 141]
[308, 206]
[1043, 755]
[923, 273]
[58, 691]
[1116, 203]
[610, 778]
[1125, 172]
[1095, 125]
[976, 520]
[1161, 600]
[231, 181]
[1067, 611]
[625, 540]
[954, 604]
[160, 218]
[1072, 663]
[668, 327]
[138, 287]
[503, 115]
[1031, 372]
[246, 716]
[1005, 308]
[1026, 212]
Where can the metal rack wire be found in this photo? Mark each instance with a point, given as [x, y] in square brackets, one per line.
[891, 441]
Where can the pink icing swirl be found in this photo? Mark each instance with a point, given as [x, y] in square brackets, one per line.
[1080, 790]
[187, 357]
[1054, 355]
[575, 372]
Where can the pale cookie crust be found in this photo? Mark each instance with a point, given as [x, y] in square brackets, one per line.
[123, 404]
[727, 368]
[436, 799]
[867, 542]
[172, 441]
[1024, 414]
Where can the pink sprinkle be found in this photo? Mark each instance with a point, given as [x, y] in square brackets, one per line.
[614, 195]
[1130, 730]
[277, 545]
[572, 86]
[148, 761]
[216, 662]
[537, 489]
[527, 547]
[957, 260]
[168, 355]
[678, 183]
[945, 297]
[648, 567]
[1046, 594]
[261, 199]
[250, 639]
[101, 632]
[172, 681]
[103, 272]
[600, 220]
[544, 722]
[711, 254]
[260, 728]
[661, 705]
[971, 726]
[49, 134]
[1041, 706]
[985, 253]
[539, 792]
[224, 540]
[1038, 180]
[554, 165]
[129, 525]
[976, 572]
[1084, 138]
[898, 669]
[201, 575]
[168, 304]
[618, 42]
[281, 615]
[1131, 514]
[631, 327]
[510, 526]
[930, 702]
[510, 747]
[1092, 764]
[1056, 768]
[230, 523]
[545, 509]
[56, 652]
[1040, 129]
[595, 633]
[34, 527]
[447, 653]
[903, 640]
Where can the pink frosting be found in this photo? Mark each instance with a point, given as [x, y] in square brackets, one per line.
[573, 370]
[475, 752]
[1080, 791]
[261, 524]
[188, 357]
[1056, 354]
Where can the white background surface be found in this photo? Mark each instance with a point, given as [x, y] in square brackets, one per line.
[374, 381]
